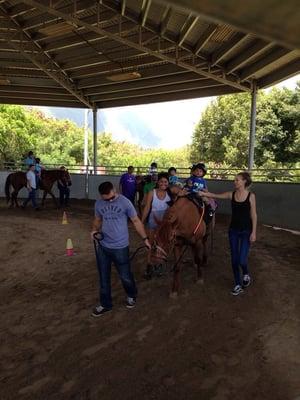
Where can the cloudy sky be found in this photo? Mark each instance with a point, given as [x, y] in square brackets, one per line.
[167, 125]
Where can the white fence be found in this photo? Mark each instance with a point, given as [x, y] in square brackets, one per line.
[277, 203]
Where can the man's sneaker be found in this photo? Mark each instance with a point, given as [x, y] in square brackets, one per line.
[246, 280]
[237, 290]
[130, 302]
[99, 310]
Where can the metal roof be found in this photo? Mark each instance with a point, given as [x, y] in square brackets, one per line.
[107, 53]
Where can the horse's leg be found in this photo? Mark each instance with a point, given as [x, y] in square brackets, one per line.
[11, 200]
[15, 193]
[54, 199]
[205, 250]
[44, 197]
[198, 248]
[176, 274]
[14, 200]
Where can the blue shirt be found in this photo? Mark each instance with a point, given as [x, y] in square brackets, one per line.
[173, 179]
[198, 184]
[38, 168]
[29, 161]
[114, 215]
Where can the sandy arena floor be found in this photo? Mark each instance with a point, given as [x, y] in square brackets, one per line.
[205, 345]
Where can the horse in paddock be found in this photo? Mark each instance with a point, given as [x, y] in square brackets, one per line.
[18, 180]
[183, 225]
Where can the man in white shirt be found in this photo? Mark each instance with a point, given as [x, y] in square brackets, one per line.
[31, 187]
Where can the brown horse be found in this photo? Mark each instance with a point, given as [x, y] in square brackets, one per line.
[18, 180]
[182, 225]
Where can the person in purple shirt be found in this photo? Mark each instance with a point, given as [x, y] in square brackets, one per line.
[128, 184]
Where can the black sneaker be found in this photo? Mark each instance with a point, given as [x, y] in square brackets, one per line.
[149, 272]
[237, 290]
[246, 280]
[158, 270]
[99, 310]
[130, 302]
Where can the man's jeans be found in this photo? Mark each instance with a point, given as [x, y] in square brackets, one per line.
[64, 195]
[120, 258]
[31, 196]
[239, 246]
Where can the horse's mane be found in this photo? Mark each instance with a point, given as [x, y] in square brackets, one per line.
[52, 171]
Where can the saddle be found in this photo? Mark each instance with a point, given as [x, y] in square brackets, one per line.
[208, 211]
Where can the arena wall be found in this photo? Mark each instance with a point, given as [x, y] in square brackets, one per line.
[277, 203]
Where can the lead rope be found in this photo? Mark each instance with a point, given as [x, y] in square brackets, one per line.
[199, 223]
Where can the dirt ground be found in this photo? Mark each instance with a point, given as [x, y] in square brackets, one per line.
[204, 345]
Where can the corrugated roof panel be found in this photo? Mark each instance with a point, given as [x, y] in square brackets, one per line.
[134, 5]
[239, 49]
[277, 64]
[197, 31]
[222, 35]
[177, 21]
[156, 13]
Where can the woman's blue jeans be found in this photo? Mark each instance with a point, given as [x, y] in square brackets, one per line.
[120, 258]
[239, 246]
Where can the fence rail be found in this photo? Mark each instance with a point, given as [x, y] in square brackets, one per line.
[291, 175]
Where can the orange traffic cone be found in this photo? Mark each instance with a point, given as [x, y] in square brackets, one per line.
[64, 219]
[69, 248]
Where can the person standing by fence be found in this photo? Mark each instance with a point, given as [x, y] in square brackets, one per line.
[64, 191]
[38, 172]
[128, 184]
[242, 230]
[31, 187]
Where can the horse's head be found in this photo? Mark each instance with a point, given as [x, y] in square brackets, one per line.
[164, 238]
[65, 177]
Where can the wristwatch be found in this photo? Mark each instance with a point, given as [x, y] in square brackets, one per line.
[145, 238]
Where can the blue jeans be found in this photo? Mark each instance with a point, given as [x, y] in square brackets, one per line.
[239, 246]
[120, 258]
[64, 195]
[31, 196]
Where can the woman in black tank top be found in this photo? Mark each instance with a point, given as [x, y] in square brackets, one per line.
[242, 230]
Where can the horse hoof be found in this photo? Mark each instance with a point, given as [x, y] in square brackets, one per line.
[173, 295]
[200, 281]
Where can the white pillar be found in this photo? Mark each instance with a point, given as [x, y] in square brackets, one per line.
[86, 138]
[95, 140]
[252, 127]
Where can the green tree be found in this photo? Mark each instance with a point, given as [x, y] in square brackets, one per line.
[16, 133]
[222, 134]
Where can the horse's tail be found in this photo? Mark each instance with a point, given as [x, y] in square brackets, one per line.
[7, 185]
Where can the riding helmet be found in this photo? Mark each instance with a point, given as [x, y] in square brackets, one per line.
[200, 166]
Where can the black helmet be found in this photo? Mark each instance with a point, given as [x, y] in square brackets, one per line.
[200, 166]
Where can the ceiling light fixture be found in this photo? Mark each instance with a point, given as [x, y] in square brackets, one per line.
[4, 81]
[124, 76]
[58, 29]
